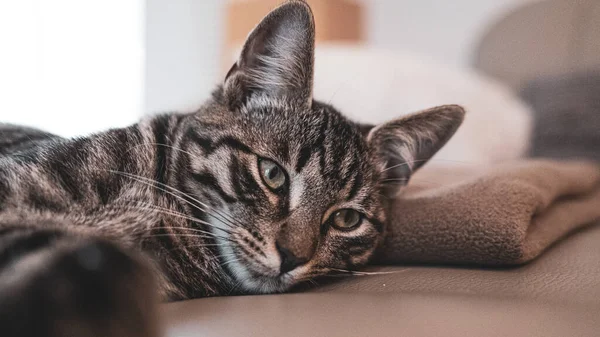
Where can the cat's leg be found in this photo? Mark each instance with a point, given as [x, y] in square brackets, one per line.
[56, 284]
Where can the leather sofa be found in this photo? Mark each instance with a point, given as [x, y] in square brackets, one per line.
[556, 295]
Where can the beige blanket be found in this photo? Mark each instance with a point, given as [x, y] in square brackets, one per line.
[504, 216]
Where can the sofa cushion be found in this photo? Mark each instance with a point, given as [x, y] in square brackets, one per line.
[556, 295]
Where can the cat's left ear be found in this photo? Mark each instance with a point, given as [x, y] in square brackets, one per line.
[403, 145]
[277, 59]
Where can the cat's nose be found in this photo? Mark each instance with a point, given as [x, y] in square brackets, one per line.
[289, 261]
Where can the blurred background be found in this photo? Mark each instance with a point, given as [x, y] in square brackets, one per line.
[79, 66]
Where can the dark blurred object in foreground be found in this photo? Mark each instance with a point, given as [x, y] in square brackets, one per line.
[58, 285]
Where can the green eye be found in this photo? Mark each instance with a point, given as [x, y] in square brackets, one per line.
[271, 174]
[346, 219]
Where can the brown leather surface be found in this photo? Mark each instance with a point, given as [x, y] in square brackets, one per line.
[556, 295]
[568, 273]
[376, 315]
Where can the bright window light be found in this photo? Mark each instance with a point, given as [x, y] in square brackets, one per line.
[71, 67]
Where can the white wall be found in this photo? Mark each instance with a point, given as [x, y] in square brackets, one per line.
[183, 40]
[71, 66]
[183, 46]
[445, 30]
[78, 66]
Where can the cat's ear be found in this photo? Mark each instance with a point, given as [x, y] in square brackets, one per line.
[277, 59]
[405, 144]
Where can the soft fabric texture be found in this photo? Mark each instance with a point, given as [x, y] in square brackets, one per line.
[504, 216]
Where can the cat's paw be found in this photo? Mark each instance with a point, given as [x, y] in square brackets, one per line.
[84, 289]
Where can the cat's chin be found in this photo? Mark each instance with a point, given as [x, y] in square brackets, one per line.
[253, 282]
[268, 285]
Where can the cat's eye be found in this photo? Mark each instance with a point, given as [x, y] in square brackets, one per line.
[271, 173]
[346, 219]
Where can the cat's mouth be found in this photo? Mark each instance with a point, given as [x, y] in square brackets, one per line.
[253, 276]
[254, 263]
[256, 272]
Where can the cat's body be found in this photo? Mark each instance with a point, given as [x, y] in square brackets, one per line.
[78, 186]
[260, 189]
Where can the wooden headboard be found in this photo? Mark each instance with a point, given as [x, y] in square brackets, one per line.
[336, 20]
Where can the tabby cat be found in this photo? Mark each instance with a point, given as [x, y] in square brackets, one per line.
[260, 189]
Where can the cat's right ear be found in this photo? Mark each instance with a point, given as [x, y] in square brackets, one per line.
[403, 145]
[277, 59]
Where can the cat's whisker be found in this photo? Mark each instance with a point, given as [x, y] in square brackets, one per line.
[366, 273]
[416, 180]
[235, 287]
[175, 235]
[225, 256]
[227, 262]
[199, 246]
[209, 211]
[424, 160]
[307, 277]
[229, 218]
[182, 235]
[209, 234]
[337, 90]
[402, 164]
[160, 144]
[191, 155]
[395, 180]
[195, 230]
[226, 217]
[229, 223]
[151, 183]
[167, 211]
[174, 213]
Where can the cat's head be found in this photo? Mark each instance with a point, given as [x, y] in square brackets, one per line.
[295, 189]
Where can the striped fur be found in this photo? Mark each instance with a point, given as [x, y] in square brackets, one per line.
[180, 196]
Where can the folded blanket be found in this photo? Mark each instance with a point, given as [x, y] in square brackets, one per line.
[502, 216]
